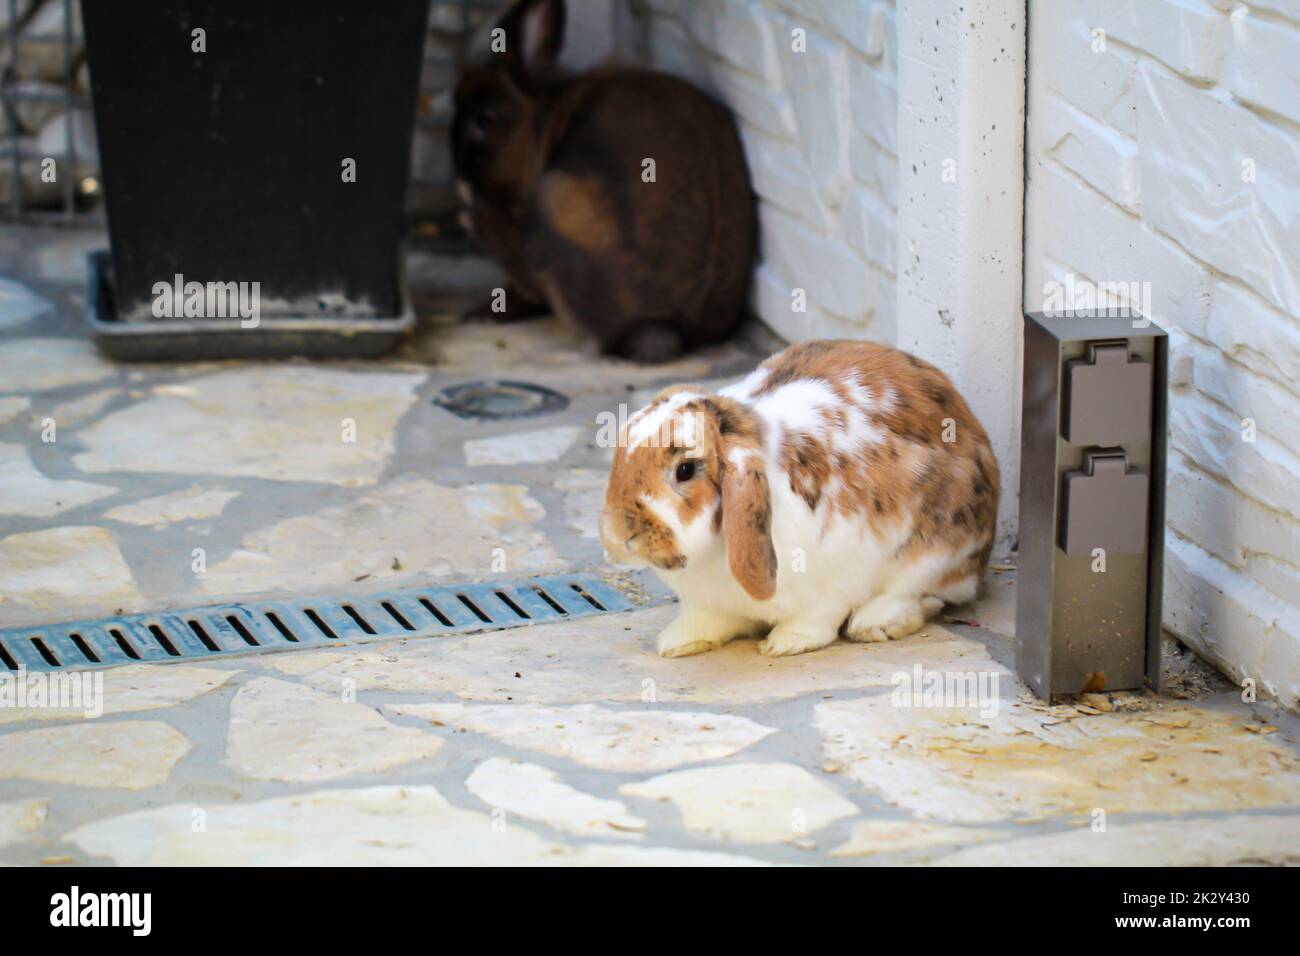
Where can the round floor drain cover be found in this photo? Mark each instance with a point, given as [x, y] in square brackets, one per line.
[495, 400]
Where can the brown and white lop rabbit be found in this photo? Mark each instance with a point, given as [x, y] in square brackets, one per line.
[554, 169]
[841, 488]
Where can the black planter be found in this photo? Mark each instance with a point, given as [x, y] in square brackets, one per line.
[226, 166]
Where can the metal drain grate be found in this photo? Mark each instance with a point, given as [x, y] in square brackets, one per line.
[491, 401]
[224, 629]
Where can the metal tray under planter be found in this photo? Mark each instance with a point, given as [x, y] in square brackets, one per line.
[197, 339]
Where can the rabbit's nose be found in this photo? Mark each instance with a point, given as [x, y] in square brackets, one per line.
[617, 543]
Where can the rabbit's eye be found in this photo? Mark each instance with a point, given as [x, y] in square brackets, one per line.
[484, 119]
[685, 471]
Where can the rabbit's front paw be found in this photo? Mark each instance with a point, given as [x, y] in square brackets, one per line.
[890, 616]
[794, 638]
[696, 631]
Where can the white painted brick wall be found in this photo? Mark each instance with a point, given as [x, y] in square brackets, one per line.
[1172, 155]
[820, 130]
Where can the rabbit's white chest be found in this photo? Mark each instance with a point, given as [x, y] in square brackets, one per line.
[840, 563]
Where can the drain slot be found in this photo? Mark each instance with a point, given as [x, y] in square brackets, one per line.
[280, 626]
[84, 648]
[555, 605]
[433, 609]
[509, 602]
[361, 621]
[127, 647]
[242, 631]
[321, 625]
[163, 641]
[45, 652]
[397, 615]
[202, 635]
[588, 598]
[478, 611]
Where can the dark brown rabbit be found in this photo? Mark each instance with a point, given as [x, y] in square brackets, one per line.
[554, 165]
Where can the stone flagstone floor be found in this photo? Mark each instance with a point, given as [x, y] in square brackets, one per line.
[564, 743]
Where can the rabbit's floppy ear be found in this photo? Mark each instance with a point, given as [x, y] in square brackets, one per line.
[746, 501]
[534, 31]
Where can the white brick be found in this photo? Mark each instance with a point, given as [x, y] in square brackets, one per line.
[1211, 436]
[869, 224]
[833, 275]
[1098, 82]
[1072, 224]
[1192, 144]
[1261, 65]
[780, 174]
[1280, 578]
[1181, 358]
[773, 301]
[885, 285]
[1288, 8]
[873, 166]
[1257, 336]
[740, 31]
[1104, 157]
[818, 83]
[1235, 623]
[862, 24]
[1186, 35]
[672, 50]
[1248, 395]
[1225, 522]
[873, 102]
[824, 325]
[881, 39]
[766, 108]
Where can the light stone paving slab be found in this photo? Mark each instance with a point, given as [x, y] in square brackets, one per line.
[996, 610]
[62, 572]
[431, 530]
[611, 657]
[78, 410]
[1255, 840]
[870, 837]
[522, 448]
[25, 491]
[621, 740]
[22, 819]
[64, 259]
[537, 793]
[13, 408]
[19, 304]
[129, 689]
[279, 422]
[38, 365]
[283, 731]
[1031, 760]
[373, 826]
[584, 499]
[126, 754]
[748, 802]
[188, 504]
[548, 348]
